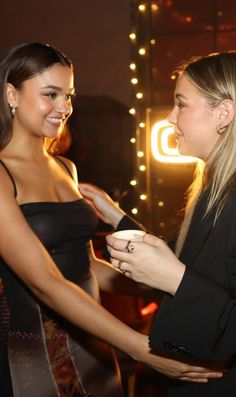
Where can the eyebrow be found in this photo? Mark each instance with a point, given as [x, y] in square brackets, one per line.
[178, 95]
[54, 87]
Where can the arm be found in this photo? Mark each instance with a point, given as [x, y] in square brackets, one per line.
[209, 312]
[113, 281]
[207, 309]
[107, 209]
[27, 257]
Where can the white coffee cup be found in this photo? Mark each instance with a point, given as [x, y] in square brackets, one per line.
[133, 235]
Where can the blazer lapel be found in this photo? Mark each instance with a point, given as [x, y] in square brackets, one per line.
[198, 233]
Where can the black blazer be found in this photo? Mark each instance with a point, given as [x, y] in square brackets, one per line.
[199, 322]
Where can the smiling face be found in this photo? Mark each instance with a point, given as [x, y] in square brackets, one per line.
[43, 104]
[194, 120]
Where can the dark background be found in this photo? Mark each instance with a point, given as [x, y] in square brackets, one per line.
[95, 35]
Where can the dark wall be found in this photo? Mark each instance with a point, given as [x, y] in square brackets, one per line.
[94, 34]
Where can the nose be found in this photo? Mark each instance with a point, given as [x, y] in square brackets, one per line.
[171, 118]
[64, 106]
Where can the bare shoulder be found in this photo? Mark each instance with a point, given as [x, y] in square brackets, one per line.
[7, 185]
[71, 166]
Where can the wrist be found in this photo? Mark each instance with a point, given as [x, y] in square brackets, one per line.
[116, 217]
[176, 277]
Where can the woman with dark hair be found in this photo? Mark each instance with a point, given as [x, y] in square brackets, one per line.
[45, 229]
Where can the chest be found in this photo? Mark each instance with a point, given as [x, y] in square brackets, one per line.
[60, 224]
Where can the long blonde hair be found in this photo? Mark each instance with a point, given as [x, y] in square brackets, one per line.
[214, 76]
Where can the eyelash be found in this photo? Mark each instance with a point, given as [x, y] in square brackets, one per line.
[179, 104]
[53, 95]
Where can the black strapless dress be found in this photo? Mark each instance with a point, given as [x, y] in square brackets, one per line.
[47, 356]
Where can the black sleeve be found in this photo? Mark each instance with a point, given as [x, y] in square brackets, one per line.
[129, 223]
[198, 323]
[125, 223]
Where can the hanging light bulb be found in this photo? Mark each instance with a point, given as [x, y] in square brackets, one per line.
[140, 154]
[134, 80]
[133, 182]
[132, 36]
[142, 51]
[132, 111]
[139, 95]
[143, 197]
[132, 66]
[142, 7]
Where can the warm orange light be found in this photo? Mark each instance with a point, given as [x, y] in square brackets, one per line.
[162, 149]
[132, 36]
[142, 51]
[142, 7]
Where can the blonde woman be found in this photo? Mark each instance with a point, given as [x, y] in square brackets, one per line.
[197, 320]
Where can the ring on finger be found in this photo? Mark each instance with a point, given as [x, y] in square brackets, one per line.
[119, 264]
[122, 268]
[129, 247]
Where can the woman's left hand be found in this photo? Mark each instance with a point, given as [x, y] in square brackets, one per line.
[105, 208]
[150, 262]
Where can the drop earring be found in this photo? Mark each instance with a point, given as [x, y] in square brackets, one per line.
[220, 130]
[13, 110]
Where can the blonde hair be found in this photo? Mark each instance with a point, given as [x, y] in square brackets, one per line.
[214, 76]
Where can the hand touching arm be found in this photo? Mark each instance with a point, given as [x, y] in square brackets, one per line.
[27, 257]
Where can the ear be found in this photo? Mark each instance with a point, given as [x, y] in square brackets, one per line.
[11, 94]
[226, 112]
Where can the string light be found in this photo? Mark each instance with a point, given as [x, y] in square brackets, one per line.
[140, 154]
[132, 36]
[154, 7]
[132, 66]
[132, 111]
[143, 197]
[141, 43]
[142, 124]
[142, 7]
[142, 167]
[139, 95]
[142, 51]
[133, 182]
[134, 80]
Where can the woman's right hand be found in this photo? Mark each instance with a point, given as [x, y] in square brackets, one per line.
[180, 370]
[105, 208]
[150, 262]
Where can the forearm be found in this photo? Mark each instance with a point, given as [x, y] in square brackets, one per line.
[112, 281]
[91, 317]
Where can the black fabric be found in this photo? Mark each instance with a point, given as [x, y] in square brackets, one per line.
[198, 324]
[64, 228]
